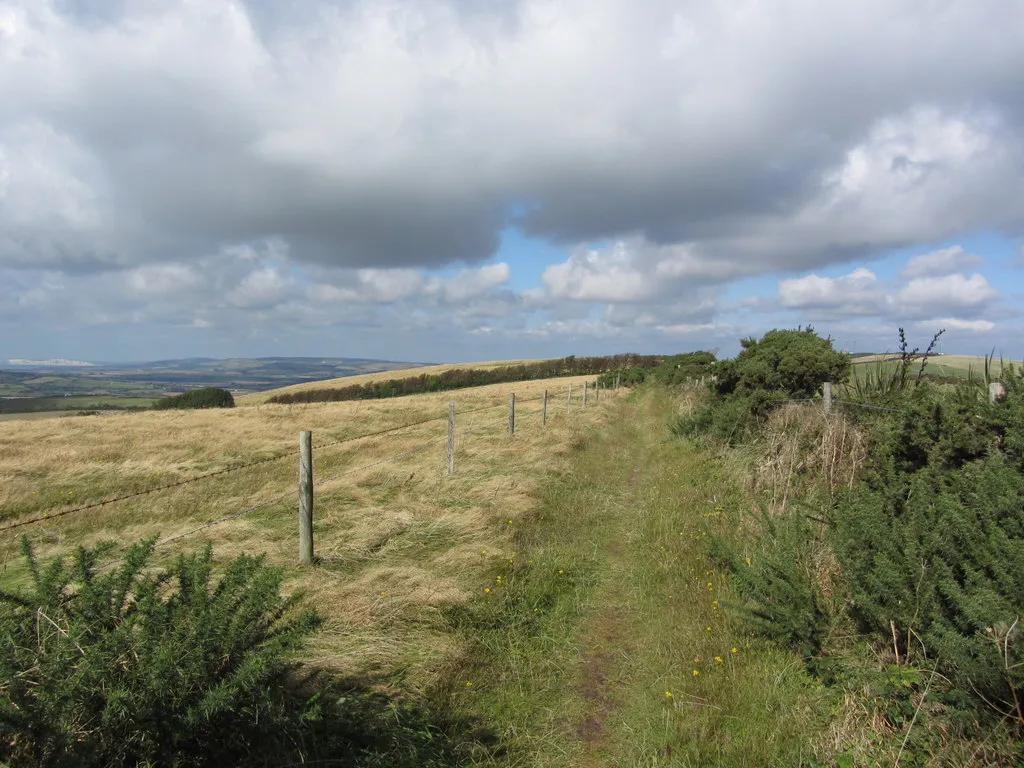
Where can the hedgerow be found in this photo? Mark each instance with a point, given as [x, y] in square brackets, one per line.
[927, 539]
[460, 378]
[205, 397]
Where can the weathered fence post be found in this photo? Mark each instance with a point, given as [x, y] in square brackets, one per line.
[617, 380]
[451, 437]
[597, 391]
[585, 394]
[568, 398]
[512, 413]
[826, 395]
[544, 410]
[306, 498]
[995, 391]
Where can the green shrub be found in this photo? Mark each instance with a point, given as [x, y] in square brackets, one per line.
[784, 600]
[207, 397]
[794, 363]
[137, 665]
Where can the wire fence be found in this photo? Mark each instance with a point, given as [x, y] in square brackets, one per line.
[319, 482]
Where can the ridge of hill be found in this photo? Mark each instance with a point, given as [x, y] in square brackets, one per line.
[259, 398]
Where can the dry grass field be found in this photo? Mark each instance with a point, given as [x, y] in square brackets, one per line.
[951, 366]
[394, 541]
[257, 398]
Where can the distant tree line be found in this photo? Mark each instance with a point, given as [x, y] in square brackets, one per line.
[206, 397]
[460, 378]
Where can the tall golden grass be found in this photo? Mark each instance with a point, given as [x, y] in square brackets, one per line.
[394, 541]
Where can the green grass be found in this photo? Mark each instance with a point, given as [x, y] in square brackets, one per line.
[74, 403]
[584, 650]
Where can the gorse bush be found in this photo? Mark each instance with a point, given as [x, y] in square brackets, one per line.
[925, 543]
[790, 363]
[139, 665]
[931, 543]
[207, 397]
[781, 365]
[780, 584]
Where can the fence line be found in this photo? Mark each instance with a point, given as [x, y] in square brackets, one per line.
[225, 471]
[238, 467]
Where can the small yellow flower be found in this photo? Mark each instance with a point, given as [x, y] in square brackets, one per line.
[718, 659]
[668, 694]
[714, 605]
[696, 659]
[510, 522]
[670, 597]
[469, 683]
[696, 672]
[710, 586]
[746, 560]
[487, 590]
[733, 650]
[708, 628]
[483, 551]
[536, 610]
[561, 571]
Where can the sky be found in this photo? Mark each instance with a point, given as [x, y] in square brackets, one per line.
[454, 180]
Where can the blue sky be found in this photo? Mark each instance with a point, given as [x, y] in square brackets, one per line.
[436, 180]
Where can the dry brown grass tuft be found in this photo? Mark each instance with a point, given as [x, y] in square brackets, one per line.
[395, 540]
[805, 448]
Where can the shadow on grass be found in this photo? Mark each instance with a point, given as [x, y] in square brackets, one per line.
[363, 723]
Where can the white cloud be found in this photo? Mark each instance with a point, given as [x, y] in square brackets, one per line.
[261, 289]
[924, 295]
[163, 279]
[856, 293]
[942, 262]
[633, 270]
[469, 283]
[958, 324]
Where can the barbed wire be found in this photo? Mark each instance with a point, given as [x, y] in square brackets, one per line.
[866, 405]
[317, 481]
[224, 471]
[379, 462]
[136, 494]
[238, 468]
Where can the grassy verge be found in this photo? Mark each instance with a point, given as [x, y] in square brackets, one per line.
[608, 638]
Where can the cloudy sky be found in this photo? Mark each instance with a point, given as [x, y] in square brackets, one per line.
[468, 179]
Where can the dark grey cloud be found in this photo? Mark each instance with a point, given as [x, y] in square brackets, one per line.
[408, 133]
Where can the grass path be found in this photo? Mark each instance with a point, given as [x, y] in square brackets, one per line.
[615, 642]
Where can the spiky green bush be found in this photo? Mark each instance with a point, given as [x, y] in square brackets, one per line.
[137, 665]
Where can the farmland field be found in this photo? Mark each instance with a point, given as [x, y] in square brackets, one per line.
[946, 366]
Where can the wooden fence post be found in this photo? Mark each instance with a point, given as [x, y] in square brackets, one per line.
[568, 398]
[585, 394]
[617, 380]
[826, 395]
[544, 410]
[451, 437]
[995, 391]
[512, 413]
[597, 391]
[306, 498]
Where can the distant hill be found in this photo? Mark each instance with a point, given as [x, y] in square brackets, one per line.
[49, 378]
